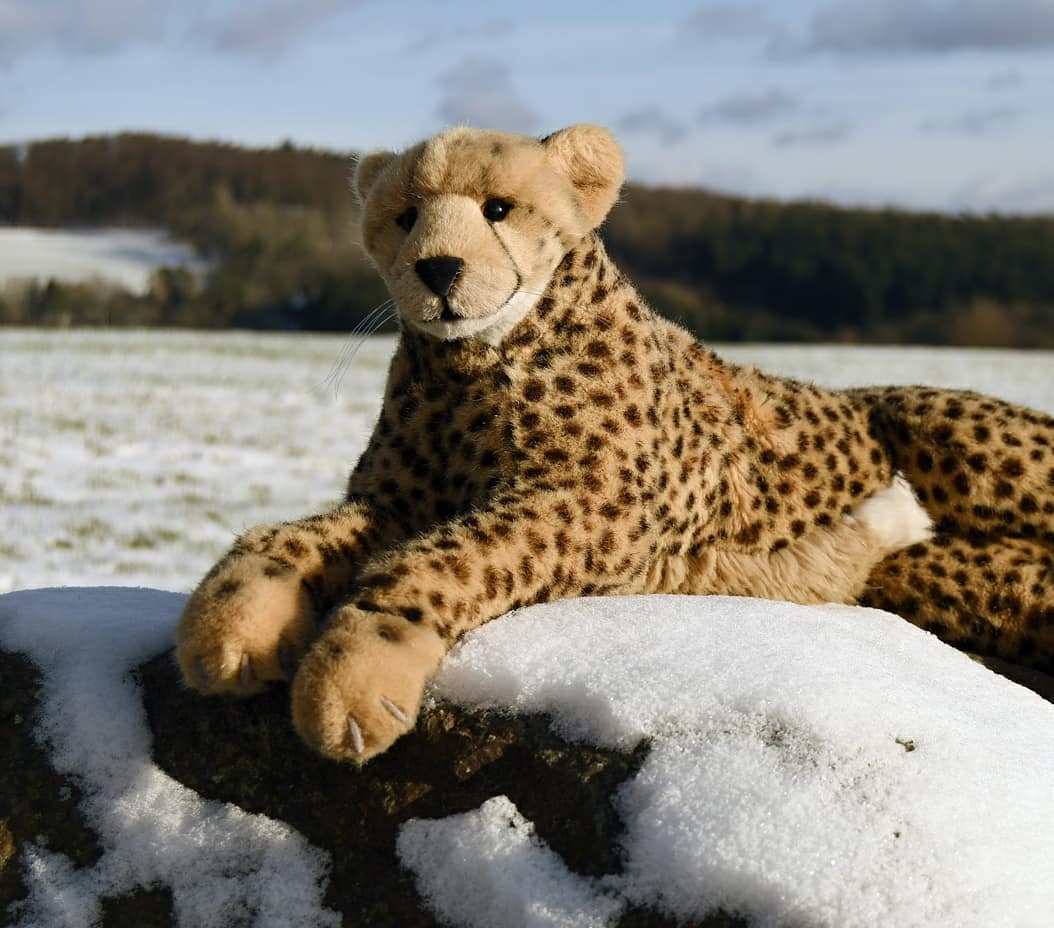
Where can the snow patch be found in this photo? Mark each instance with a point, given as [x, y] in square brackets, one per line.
[487, 868]
[809, 765]
[224, 866]
[127, 257]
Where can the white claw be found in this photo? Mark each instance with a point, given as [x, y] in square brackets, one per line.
[355, 734]
[394, 710]
[246, 672]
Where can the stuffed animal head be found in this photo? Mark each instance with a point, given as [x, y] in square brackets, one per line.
[467, 227]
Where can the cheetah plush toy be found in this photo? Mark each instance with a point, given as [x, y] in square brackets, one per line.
[545, 435]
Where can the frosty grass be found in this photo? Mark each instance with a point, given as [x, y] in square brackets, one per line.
[136, 457]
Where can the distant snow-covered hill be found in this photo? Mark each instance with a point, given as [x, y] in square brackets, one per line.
[125, 257]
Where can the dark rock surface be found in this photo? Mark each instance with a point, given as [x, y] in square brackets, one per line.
[452, 763]
[246, 753]
[36, 804]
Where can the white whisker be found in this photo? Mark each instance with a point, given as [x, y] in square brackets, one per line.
[366, 326]
[349, 344]
[380, 321]
[365, 321]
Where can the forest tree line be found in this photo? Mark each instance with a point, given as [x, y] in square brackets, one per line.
[279, 227]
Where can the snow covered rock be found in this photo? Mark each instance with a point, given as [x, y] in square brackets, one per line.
[609, 762]
[93, 710]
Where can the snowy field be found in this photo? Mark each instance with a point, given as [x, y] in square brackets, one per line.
[126, 257]
[135, 457]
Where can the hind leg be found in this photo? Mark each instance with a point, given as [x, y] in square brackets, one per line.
[994, 597]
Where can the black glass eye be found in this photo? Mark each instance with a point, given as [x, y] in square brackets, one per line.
[495, 210]
[407, 218]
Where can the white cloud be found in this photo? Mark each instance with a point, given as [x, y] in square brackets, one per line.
[1008, 79]
[821, 133]
[75, 26]
[270, 28]
[1002, 193]
[854, 27]
[653, 120]
[798, 123]
[440, 37]
[713, 21]
[735, 177]
[103, 27]
[980, 121]
[479, 92]
[750, 109]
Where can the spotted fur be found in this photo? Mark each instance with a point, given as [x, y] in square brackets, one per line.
[545, 435]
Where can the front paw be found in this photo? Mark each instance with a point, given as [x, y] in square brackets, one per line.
[243, 627]
[360, 686]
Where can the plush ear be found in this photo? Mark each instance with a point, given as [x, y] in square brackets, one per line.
[367, 170]
[592, 160]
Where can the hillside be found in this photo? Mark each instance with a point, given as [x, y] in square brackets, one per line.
[278, 225]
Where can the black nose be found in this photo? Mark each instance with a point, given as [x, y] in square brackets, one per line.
[439, 273]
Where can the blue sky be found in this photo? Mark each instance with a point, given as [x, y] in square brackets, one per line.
[945, 104]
